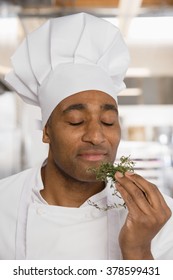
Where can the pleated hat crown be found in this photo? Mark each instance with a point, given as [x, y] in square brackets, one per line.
[67, 55]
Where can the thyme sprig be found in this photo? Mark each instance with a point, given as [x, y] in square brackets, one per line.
[107, 207]
[107, 171]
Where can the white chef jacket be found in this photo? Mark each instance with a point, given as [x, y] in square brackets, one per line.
[32, 229]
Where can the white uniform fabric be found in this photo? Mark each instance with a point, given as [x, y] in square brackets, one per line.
[67, 55]
[32, 229]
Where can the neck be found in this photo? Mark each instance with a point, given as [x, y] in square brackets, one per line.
[65, 191]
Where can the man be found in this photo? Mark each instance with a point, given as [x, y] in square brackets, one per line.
[73, 67]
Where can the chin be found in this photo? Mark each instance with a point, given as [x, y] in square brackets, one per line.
[85, 177]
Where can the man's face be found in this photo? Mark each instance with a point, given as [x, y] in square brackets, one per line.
[83, 131]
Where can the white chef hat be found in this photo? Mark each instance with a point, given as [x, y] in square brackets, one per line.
[67, 55]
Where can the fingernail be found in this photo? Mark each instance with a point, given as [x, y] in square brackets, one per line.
[129, 173]
[119, 174]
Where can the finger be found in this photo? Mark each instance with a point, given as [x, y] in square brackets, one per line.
[151, 191]
[154, 197]
[139, 205]
[129, 201]
[135, 193]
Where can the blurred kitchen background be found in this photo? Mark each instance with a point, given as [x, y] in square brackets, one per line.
[146, 106]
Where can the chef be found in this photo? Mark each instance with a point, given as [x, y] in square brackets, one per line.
[73, 67]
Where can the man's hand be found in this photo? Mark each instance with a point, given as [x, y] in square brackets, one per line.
[148, 212]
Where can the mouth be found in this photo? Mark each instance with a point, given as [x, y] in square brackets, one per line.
[93, 156]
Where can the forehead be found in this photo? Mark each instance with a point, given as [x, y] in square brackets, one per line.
[91, 98]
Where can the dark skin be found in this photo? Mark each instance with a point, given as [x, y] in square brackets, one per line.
[148, 213]
[82, 132]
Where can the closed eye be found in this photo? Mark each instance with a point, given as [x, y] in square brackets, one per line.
[76, 123]
[107, 124]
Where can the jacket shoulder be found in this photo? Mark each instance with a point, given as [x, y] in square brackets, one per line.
[9, 181]
[10, 194]
[162, 244]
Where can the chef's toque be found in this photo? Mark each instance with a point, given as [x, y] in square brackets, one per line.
[67, 55]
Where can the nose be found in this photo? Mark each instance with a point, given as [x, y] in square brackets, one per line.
[94, 134]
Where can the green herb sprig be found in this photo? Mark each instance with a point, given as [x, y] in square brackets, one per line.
[107, 171]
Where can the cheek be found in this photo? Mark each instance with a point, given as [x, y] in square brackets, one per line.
[63, 144]
[115, 135]
[114, 139]
[119, 133]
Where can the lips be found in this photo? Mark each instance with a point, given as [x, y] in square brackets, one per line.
[93, 155]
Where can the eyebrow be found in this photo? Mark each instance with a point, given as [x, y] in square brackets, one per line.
[81, 107]
[109, 107]
[72, 107]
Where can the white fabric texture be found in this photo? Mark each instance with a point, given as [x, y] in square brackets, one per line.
[99, 226]
[67, 55]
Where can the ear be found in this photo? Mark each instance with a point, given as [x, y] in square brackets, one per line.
[45, 137]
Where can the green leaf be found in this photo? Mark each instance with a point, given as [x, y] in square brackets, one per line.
[108, 170]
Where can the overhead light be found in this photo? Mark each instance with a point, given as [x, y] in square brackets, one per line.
[138, 72]
[131, 92]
